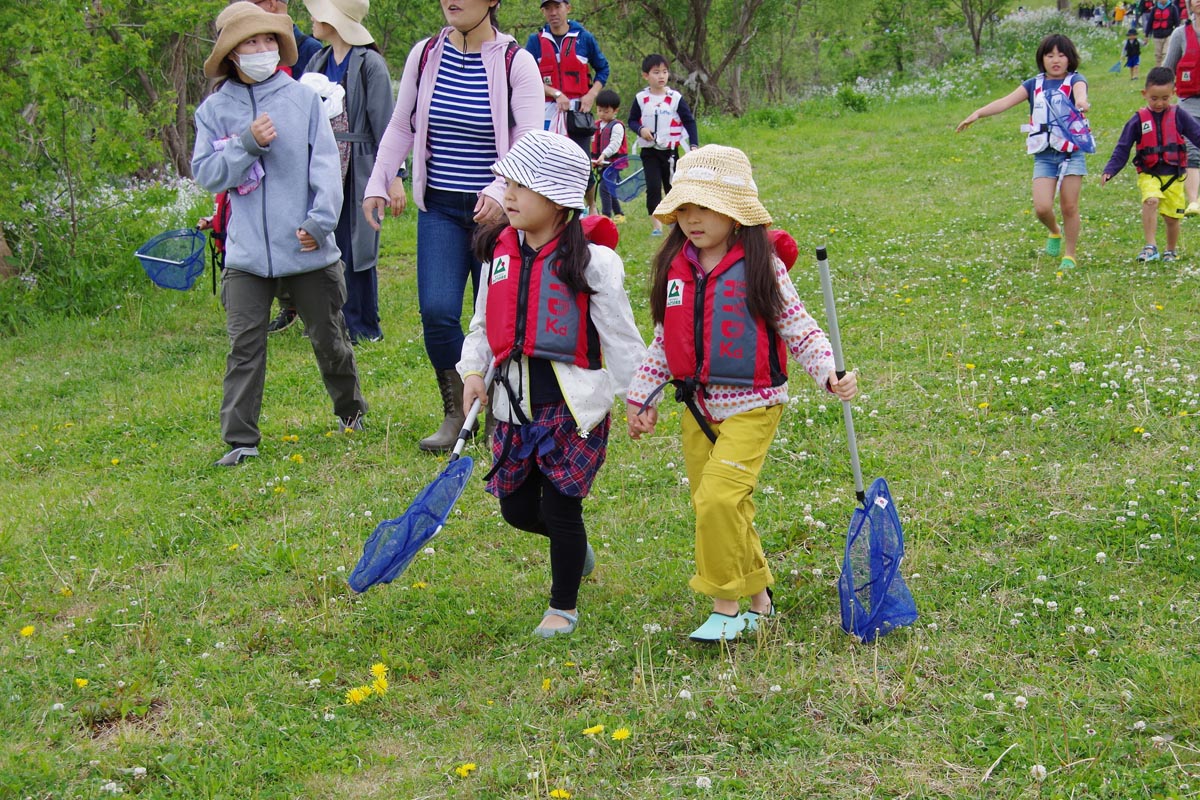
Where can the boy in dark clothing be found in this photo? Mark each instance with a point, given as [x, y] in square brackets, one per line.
[1158, 132]
[1133, 53]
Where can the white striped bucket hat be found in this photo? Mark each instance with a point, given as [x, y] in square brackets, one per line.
[551, 165]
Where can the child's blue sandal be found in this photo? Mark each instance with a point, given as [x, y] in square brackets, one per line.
[547, 633]
[1169, 255]
[1149, 253]
[719, 626]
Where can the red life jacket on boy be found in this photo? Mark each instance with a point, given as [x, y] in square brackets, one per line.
[1187, 71]
[1157, 142]
[531, 312]
[562, 68]
[709, 334]
[601, 140]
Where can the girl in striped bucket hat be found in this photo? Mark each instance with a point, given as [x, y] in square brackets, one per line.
[553, 318]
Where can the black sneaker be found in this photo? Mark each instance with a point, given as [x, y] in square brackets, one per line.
[287, 317]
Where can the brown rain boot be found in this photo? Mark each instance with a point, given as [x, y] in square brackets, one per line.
[443, 440]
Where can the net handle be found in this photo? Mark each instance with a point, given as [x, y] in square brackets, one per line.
[472, 415]
[835, 340]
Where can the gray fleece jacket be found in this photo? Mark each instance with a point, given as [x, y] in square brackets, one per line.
[302, 182]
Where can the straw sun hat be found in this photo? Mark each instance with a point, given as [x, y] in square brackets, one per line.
[715, 177]
[345, 16]
[551, 165]
[240, 21]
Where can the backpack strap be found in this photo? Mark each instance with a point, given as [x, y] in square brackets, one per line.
[510, 52]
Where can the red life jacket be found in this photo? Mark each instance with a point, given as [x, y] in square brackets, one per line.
[1187, 71]
[709, 334]
[562, 68]
[531, 312]
[1160, 142]
[1160, 18]
[601, 141]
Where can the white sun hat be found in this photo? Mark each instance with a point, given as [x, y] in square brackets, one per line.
[551, 165]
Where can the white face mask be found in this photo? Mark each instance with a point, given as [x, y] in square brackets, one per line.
[258, 66]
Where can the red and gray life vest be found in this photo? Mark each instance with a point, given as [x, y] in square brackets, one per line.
[561, 66]
[1042, 134]
[660, 113]
[708, 332]
[1160, 19]
[1160, 142]
[531, 312]
[601, 140]
[1187, 71]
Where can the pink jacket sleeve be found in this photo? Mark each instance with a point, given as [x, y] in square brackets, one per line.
[398, 137]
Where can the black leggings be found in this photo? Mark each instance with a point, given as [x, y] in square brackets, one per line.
[656, 166]
[536, 506]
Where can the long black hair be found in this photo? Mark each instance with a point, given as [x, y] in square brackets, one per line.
[573, 256]
[763, 298]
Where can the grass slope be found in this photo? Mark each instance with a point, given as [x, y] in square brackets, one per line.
[1038, 429]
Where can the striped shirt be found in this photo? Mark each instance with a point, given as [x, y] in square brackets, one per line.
[462, 139]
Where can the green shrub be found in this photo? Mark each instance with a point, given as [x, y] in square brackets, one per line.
[851, 100]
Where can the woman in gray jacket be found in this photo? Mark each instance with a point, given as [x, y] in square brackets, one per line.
[351, 59]
[266, 139]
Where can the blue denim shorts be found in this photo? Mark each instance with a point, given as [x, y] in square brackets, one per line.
[1053, 164]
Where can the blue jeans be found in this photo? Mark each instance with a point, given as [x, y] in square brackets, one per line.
[444, 262]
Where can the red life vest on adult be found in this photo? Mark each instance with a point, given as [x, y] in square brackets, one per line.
[708, 332]
[603, 138]
[531, 312]
[1160, 18]
[561, 67]
[1187, 71]
[1157, 142]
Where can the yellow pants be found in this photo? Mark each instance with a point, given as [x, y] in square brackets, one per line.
[722, 476]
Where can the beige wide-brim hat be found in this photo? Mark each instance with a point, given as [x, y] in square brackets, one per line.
[345, 16]
[237, 23]
[715, 177]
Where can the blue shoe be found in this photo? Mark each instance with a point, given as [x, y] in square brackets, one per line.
[719, 626]
[547, 633]
[752, 617]
[1148, 253]
[589, 561]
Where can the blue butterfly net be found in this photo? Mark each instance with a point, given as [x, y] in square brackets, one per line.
[875, 599]
[173, 260]
[396, 542]
[626, 186]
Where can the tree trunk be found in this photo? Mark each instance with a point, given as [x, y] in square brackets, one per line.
[6, 270]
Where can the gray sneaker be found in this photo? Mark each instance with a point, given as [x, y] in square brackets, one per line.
[350, 424]
[236, 456]
[589, 561]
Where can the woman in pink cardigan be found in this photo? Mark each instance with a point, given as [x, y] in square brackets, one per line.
[466, 95]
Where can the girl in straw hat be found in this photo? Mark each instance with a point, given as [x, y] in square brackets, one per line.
[726, 317]
[553, 317]
[266, 139]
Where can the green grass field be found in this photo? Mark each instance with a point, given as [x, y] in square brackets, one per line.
[173, 630]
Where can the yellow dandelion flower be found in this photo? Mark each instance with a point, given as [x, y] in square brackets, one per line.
[985, 405]
[1158, 307]
[379, 685]
[280, 489]
[1139, 429]
[545, 684]
[115, 461]
[568, 663]
[560, 794]
[620, 734]
[592, 731]
[969, 365]
[358, 694]
[66, 591]
[81, 682]
[379, 670]
[420, 585]
[299, 459]
[466, 769]
[328, 434]
[27, 631]
[234, 546]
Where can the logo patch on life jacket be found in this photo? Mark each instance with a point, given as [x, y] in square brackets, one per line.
[1186, 76]
[1147, 126]
[674, 292]
[499, 268]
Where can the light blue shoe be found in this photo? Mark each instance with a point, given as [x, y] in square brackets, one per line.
[547, 633]
[719, 626]
[752, 617]
[589, 561]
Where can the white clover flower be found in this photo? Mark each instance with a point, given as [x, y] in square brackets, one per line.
[330, 716]
[684, 694]
[1038, 772]
[1079, 612]
[139, 772]
[57, 707]
[703, 782]
[1093, 653]
[1051, 605]
[776, 688]
[1140, 725]
[1089, 630]
[1101, 557]
[1019, 702]
[989, 696]
[817, 572]
[428, 551]
[112, 787]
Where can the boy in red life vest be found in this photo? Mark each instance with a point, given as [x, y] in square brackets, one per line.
[554, 320]
[610, 151]
[1158, 132]
[726, 319]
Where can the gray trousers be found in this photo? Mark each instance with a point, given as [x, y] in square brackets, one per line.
[319, 297]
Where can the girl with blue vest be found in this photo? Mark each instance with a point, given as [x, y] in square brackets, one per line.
[726, 318]
[553, 318]
[1058, 161]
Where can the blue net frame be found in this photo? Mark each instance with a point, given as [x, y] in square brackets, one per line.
[628, 186]
[874, 598]
[173, 260]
